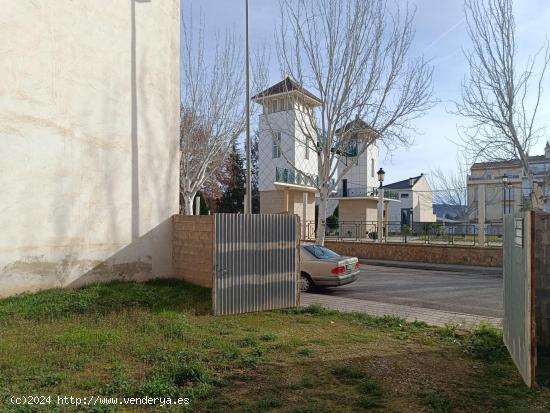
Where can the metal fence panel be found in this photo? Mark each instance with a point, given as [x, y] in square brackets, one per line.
[256, 262]
[519, 322]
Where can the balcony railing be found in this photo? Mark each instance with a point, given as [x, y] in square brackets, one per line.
[289, 176]
[363, 192]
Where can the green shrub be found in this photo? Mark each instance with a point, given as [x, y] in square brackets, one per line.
[437, 402]
[485, 343]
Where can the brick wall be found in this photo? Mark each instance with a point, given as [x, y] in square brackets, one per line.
[192, 255]
[439, 254]
[542, 279]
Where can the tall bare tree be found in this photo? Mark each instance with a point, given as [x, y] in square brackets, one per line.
[501, 98]
[213, 114]
[450, 188]
[354, 55]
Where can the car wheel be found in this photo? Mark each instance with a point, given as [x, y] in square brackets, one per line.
[305, 283]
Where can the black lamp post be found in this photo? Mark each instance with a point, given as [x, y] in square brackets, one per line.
[381, 174]
[506, 185]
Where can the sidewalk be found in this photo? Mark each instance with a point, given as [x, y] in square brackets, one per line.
[472, 269]
[428, 315]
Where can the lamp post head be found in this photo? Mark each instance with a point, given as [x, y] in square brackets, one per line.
[504, 179]
[381, 174]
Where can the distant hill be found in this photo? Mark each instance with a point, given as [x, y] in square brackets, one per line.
[446, 211]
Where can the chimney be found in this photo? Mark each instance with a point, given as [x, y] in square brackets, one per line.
[547, 150]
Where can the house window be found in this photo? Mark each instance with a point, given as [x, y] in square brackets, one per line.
[372, 168]
[404, 195]
[274, 105]
[282, 105]
[277, 145]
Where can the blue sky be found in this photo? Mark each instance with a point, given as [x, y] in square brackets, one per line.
[440, 36]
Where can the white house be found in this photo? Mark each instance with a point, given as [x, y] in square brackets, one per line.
[357, 194]
[282, 144]
[89, 125]
[361, 177]
[416, 201]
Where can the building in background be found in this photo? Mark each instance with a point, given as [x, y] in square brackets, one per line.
[282, 144]
[416, 201]
[485, 183]
[503, 188]
[90, 150]
[540, 166]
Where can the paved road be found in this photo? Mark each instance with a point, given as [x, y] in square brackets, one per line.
[441, 290]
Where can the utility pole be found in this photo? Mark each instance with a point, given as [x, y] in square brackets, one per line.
[248, 201]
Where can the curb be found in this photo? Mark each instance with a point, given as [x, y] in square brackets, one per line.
[476, 270]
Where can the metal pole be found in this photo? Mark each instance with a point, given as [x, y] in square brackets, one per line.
[504, 203]
[248, 204]
[380, 212]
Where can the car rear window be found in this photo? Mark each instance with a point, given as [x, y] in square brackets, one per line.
[320, 252]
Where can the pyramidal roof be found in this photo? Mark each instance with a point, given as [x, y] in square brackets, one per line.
[405, 183]
[284, 86]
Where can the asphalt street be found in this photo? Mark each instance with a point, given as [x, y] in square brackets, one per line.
[468, 293]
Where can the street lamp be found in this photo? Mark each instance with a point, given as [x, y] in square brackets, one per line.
[506, 185]
[381, 174]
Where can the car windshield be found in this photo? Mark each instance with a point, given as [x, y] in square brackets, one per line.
[320, 252]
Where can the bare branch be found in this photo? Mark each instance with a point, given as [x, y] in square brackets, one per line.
[496, 93]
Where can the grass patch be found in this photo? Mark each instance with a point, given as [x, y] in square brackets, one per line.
[485, 343]
[158, 339]
[437, 402]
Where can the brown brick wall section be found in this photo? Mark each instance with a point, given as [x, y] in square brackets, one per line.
[438, 254]
[192, 255]
[542, 278]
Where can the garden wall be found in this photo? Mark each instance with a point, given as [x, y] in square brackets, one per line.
[438, 254]
[542, 280]
[193, 244]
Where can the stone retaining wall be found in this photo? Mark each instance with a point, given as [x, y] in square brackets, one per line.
[438, 254]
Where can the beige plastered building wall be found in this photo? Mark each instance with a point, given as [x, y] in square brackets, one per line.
[360, 210]
[489, 179]
[291, 201]
[423, 201]
[89, 115]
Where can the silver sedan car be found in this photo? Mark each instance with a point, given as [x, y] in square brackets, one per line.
[322, 267]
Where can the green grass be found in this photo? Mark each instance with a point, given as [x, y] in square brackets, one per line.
[159, 339]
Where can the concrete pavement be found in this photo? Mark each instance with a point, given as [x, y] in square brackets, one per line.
[456, 292]
[463, 298]
[409, 313]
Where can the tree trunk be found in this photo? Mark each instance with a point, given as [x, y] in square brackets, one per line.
[321, 219]
[188, 204]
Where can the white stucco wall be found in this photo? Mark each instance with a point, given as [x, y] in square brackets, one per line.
[361, 175]
[89, 114]
[419, 198]
[291, 126]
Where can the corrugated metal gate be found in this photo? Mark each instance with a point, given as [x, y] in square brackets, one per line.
[256, 262]
[519, 314]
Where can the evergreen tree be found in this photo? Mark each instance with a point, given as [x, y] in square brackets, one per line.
[255, 191]
[233, 196]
